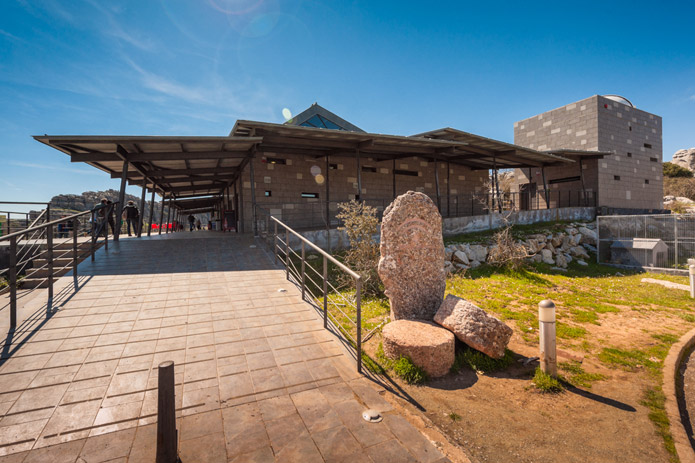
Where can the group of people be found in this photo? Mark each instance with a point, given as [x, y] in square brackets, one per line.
[105, 214]
[194, 223]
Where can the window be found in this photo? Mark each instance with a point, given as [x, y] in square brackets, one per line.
[275, 161]
[564, 180]
[629, 155]
[630, 128]
[310, 195]
[321, 123]
[268, 193]
[333, 166]
[647, 145]
[616, 177]
[646, 181]
[654, 159]
[368, 169]
[410, 173]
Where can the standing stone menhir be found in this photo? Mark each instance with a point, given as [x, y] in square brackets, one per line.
[412, 257]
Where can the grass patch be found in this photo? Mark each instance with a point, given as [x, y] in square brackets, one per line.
[477, 361]
[546, 383]
[577, 376]
[564, 331]
[654, 399]
[409, 372]
[453, 416]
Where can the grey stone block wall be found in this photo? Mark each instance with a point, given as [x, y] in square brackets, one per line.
[600, 124]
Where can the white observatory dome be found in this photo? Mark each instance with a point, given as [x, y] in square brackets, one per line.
[620, 99]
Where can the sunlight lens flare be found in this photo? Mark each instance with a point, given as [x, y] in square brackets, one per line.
[287, 114]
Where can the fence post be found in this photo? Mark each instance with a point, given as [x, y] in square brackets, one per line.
[49, 259]
[358, 306]
[325, 291]
[275, 241]
[691, 271]
[287, 253]
[303, 271]
[675, 236]
[74, 251]
[166, 415]
[546, 320]
[13, 282]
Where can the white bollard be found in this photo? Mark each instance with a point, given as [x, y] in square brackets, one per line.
[692, 280]
[546, 319]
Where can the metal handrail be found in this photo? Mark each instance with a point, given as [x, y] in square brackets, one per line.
[300, 275]
[18, 263]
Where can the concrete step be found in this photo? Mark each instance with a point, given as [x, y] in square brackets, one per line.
[43, 273]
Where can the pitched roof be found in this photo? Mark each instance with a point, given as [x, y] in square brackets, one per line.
[318, 116]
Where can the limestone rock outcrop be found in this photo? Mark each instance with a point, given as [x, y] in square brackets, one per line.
[685, 158]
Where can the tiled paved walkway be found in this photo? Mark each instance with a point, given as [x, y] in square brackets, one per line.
[258, 378]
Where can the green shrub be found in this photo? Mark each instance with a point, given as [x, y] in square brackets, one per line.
[675, 171]
[546, 383]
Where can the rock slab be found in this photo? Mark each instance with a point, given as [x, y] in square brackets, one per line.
[427, 345]
[473, 326]
[412, 257]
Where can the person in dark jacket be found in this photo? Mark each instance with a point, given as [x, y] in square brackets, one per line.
[131, 214]
[112, 214]
[191, 222]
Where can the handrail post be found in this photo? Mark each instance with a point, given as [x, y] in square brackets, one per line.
[358, 307]
[167, 435]
[275, 241]
[325, 292]
[287, 252]
[74, 252]
[49, 258]
[13, 282]
[303, 271]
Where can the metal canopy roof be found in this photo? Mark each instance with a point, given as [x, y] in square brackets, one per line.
[173, 166]
[450, 145]
[196, 204]
[584, 154]
[494, 153]
[180, 167]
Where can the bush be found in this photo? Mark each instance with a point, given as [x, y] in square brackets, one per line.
[505, 251]
[360, 223]
[477, 361]
[680, 186]
[675, 171]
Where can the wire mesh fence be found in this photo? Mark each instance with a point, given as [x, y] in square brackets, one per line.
[663, 241]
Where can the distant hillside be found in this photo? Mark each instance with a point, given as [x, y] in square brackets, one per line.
[87, 200]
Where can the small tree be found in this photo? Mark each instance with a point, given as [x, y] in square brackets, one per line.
[360, 223]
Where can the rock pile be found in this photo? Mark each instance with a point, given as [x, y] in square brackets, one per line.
[557, 249]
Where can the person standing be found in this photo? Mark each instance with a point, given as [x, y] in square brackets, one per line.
[131, 214]
[191, 222]
[111, 214]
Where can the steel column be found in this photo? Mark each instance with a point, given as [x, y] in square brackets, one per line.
[161, 214]
[141, 222]
[121, 199]
[149, 224]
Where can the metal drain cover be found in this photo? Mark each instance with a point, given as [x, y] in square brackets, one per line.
[371, 416]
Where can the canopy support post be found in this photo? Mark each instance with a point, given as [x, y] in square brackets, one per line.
[121, 198]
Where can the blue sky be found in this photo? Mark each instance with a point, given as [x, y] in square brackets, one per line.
[193, 67]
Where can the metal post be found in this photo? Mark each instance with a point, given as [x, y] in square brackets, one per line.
[241, 203]
[546, 193]
[13, 282]
[275, 241]
[448, 189]
[161, 215]
[253, 196]
[303, 271]
[393, 177]
[121, 200]
[359, 175]
[74, 253]
[436, 184]
[546, 320]
[169, 214]
[675, 236]
[9, 223]
[166, 415]
[49, 259]
[358, 306]
[141, 222]
[149, 223]
[328, 204]
[691, 271]
[287, 252]
[325, 291]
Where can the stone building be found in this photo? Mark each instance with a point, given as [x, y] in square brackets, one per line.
[617, 149]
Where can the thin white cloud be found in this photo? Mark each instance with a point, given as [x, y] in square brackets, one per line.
[691, 98]
[11, 36]
[32, 165]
